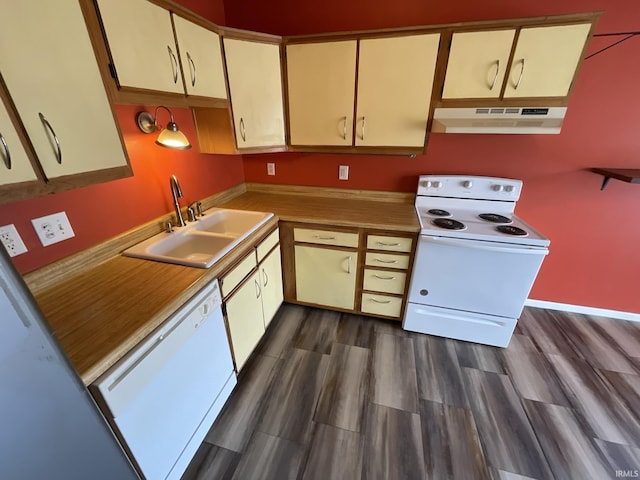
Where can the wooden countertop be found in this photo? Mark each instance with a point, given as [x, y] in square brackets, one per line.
[100, 313]
[395, 216]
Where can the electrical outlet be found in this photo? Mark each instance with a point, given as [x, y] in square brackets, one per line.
[271, 168]
[53, 228]
[11, 240]
[343, 172]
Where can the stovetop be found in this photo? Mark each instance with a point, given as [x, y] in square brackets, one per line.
[459, 217]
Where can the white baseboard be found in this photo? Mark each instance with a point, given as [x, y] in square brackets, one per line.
[567, 307]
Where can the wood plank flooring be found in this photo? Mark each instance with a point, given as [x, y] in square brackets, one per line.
[336, 396]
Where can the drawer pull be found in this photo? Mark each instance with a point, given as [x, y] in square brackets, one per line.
[324, 238]
[388, 244]
[380, 301]
[383, 278]
[385, 261]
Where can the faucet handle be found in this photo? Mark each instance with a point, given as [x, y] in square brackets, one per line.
[169, 227]
[199, 208]
[191, 214]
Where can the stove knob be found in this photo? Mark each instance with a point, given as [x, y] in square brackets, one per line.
[467, 184]
[509, 188]
[425, 184]
[437, 184]
[497, 188]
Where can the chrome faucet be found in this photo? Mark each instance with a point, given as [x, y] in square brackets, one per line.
[176, 192]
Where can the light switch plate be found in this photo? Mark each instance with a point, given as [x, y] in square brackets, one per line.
[53, 228]
[271, 168]
[11, 240]
[343, 172]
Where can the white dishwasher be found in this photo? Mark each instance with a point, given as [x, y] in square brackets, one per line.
[165, 394]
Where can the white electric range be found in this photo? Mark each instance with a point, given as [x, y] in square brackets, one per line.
[476, 261]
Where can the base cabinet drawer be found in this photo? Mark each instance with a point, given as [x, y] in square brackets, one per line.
[384, 281]
[326, 237]
[394, 244]
[387, 260]
[381, 305]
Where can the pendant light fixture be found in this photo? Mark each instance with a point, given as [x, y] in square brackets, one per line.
[169, 137]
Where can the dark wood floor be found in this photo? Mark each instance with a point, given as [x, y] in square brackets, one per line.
[336, 396]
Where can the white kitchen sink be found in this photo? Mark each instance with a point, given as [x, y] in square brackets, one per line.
[203, 242]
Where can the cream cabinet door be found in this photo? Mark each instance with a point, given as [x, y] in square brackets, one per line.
[255, 84]
[244, 316]
[545, 61]
[142, 45]
[477, 64]
[201, 57]
[49, 67]
[325, 276]
[271, 279]
[321, 86]
[395, 80]
[15, 166]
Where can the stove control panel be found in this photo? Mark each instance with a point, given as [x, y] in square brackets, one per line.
[462, 186]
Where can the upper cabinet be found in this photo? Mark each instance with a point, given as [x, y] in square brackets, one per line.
[201, 57]
[255, 86]
[545, 60]
[142, 45]
[477, 64]
[50, 72]
[538, 61]
[15, 164]
[321, 81]
[395, 80]
[146, 54]
[391, 97]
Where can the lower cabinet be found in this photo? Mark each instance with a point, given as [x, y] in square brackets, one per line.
[325, 276]
[253, 294]
[349, 269]
[245, 318]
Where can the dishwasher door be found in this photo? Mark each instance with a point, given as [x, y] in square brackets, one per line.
[163, 395]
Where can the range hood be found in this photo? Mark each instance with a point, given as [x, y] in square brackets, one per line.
[498, 120]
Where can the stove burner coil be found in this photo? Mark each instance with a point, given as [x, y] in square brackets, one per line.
[495, 218]
[511, 230]
[449, 224]
[437, 212]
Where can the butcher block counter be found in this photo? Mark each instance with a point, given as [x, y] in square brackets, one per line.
[100, 311]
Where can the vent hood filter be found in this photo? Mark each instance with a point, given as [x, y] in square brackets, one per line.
[537, 120]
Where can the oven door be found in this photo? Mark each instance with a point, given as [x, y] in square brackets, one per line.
[475, 276]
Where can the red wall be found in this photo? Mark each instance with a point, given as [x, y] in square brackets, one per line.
[101, 211]
[594, 258]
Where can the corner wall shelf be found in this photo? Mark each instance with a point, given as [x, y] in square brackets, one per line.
[629, 175]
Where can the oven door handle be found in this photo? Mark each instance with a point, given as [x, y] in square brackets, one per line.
[488, 247]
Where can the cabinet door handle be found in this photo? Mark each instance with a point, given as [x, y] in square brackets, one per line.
[515, 87]
[243, 133]
[388, 244]
[266, 277]
[55, 137]
[362, 130]
[383, 278]
[495, 77]
[349, 264]
[385, 261]
[192, 70]
[324, 238]
[380, 301]
[7, 152]
[258, 289]
[344, 128]
[174, 64]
